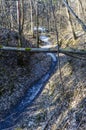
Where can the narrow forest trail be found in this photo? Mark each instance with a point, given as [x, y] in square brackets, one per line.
[54, 109]
[27, 114]
[33, 92]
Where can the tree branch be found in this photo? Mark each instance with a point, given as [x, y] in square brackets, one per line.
[74, 14]
[53, 50]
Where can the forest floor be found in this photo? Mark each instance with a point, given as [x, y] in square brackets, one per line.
[18, 71]
[62, 103]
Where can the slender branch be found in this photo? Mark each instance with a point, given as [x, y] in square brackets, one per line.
[57, 39]
[73, 13]
[75, 56]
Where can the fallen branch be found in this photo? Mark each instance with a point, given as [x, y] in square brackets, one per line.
[73, 51]
[81, 57]
[53, 50]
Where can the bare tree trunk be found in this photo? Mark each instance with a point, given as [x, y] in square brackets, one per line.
[81, 8]
[20, 19]
[71, 24]
[17, 4]
[31, 16]
[11, 17]
[47, 11]
[22, 15]
[47, 18]
[58, 49]
[3, 12]
[55, 24]
[77, 18]
[37, 25]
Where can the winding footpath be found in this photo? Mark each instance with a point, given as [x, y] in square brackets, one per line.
[33, 92]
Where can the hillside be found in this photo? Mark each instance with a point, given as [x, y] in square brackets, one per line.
[56, 109]
[42, 64]
[18, 71]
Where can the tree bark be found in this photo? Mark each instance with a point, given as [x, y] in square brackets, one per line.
[82, 9]
[71, 24]
[31, 10]
[53, 50]
[11, 17]
[74, 14]
[20, 19]
[37, 25]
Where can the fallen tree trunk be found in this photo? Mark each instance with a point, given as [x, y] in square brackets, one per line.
[74, 14]
[53, 50]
